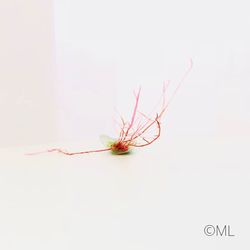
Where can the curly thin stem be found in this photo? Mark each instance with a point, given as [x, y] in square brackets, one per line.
[154, 139]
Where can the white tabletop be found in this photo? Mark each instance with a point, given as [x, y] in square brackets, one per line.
[160, 197]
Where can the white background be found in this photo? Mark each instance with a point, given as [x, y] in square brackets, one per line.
[66, 67]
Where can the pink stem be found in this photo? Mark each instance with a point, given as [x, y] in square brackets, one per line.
[58, 150]
[134, 112]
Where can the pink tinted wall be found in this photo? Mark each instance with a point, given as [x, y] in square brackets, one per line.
[26, 72]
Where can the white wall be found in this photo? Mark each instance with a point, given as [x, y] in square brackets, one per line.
[26, 72]
[106, 49]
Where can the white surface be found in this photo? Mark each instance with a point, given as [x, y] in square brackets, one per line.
[156, 198]
[160, 197]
